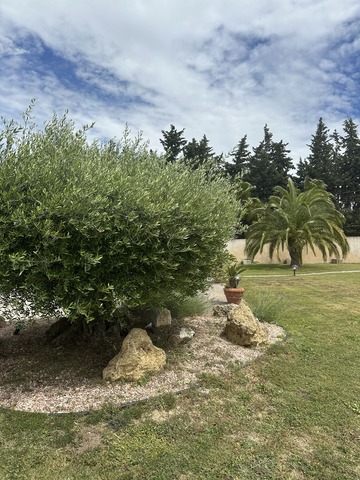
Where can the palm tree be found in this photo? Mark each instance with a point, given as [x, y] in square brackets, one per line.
[294, 220]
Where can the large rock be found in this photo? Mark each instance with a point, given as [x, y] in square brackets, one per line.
[243, 328]
[2, 322]
[137, 356]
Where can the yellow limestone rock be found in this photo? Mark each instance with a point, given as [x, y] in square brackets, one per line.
[138, 355]
[243, 328]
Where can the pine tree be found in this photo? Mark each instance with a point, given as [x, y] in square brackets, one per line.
[259, 171]
[173, 143]
[301, 174]
[337, 160]
[281, 162]
[240, 156]
[350, 178]
[201, 154]
[319, 164]
[268, 166]
[197, 153]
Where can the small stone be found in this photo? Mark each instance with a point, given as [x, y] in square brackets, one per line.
[185, 334]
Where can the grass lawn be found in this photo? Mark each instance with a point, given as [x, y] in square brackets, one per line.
[293, 414]
[281, 269]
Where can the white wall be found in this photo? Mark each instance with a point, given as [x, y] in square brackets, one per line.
[237, 247]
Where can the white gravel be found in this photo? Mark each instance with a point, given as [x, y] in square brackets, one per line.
[207, 352]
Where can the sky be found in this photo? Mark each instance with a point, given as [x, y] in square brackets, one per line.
[223, 68]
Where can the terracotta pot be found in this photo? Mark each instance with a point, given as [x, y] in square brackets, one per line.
[234, 295]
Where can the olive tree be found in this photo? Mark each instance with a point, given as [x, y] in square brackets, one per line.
[88, 226]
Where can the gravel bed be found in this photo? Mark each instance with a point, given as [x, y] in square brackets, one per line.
[207, 352]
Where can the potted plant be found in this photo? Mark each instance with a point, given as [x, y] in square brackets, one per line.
[232, 291]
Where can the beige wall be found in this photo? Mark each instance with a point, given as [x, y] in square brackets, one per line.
[237, 247]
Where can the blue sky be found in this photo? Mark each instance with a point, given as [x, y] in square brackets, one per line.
[219, 67]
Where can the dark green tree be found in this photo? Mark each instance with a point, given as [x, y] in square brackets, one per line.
[301, 174]
[239, 159]
[173, 142]
[349, 191]
[268, 166]
[260, 172]
[281, 163]
[320, 162]
[198, 153]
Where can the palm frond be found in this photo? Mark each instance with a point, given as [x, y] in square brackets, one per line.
[294, 219]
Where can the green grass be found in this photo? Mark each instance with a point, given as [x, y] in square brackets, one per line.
[281, 269]
[293, 414]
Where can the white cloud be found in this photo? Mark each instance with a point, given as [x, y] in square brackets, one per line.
[224, 68]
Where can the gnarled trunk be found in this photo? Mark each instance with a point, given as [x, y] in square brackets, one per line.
[64, 332]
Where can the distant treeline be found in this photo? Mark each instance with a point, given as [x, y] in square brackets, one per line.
[334, 158]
